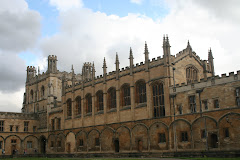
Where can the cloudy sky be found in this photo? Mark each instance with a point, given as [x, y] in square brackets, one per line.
[79, 31]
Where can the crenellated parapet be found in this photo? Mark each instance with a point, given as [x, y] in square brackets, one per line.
[14, 115]
[208, 82]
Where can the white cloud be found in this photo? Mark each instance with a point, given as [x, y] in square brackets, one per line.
[136, 1]
[11, 102]
[64, 5]
[20, 30]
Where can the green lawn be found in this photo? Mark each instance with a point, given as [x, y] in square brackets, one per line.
[121, 158]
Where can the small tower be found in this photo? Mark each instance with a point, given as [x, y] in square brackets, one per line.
[131, 61]
[117, 66]
[210, 61]
[31, 72]
[166, 49]
[104, 70]
[52, 64]
[86, 71]
[146, 53]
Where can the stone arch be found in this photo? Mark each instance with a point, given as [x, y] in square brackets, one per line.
[60, 142]
[107, 138]
[30, 143]
[70, 142]
[159, 136]
[202, 128]
[229, 130]
[2, 143]
[180, 134]
[13, 142]
[93, 140]
[123, 133]
[140, 137]
[81, 141]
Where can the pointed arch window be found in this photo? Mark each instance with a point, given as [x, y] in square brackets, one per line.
[42, 91]
[89, 103]
[69, 108]
[78, 107]
[158, 100]
[99, 100]
[141, 92]
[31, 96]
[191, 74]
[125, 95]
[112, 98]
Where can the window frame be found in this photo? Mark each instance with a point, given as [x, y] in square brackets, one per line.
[141, 92]
[158, 100]
[192, 103]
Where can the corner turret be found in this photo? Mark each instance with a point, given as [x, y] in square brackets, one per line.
[166, 49]
[31, 72]
[52, 64]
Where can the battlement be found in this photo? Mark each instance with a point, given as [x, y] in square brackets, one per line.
[14, 115]
[52, 57]
[209, 81]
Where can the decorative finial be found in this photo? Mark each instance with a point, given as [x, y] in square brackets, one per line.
[146, 48]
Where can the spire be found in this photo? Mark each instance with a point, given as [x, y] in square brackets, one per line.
[146, 57]
[210, 60]
[146, 48]
[210, 56]
[188, 44]
[93, 74]
[104, 70]
[38, 70]
[117, 66]
[72, 69]
[131, 60]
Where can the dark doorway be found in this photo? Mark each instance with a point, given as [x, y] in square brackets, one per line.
[116, 143]
[14, 149]
[140, 145]
[43, 144]
[214, 141]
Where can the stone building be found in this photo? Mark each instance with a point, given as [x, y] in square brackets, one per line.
[168, 104]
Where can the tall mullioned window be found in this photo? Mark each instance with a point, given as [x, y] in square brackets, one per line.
[99, 100]
[192, 104]
[237, 94]
[69, 108]
[89, 103]
[191, 74]
[26, 123]
[42, 91]
[141, 92]
[112, 98]
[78, 108]
[158, 100]
[125, 95]
[1, 126]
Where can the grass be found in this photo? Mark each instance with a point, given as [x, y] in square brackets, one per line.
[31, 158]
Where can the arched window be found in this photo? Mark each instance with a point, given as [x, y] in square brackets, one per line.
[78, 107]
[31, 95]
[88, 103]
[99, 96]
[42, 91]
[125, 95]
[69, 108]
[158, 100]
[112, 98]
[191, 74]
[141, 92]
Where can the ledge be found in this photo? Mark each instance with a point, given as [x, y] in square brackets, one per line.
[125, 108]
[140, 105]
[112, 110]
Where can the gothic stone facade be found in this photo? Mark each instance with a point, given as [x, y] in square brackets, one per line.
[168, 104]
